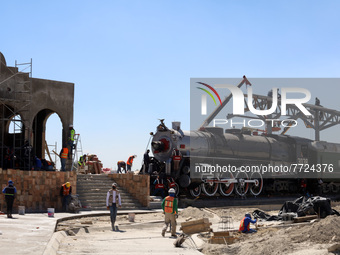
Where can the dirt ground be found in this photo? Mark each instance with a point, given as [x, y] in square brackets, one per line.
[272, 237]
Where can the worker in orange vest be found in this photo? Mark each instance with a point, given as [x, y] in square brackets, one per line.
[65, 193]
[63, 157]
[170, 209]
[129, 162]
[245, 224]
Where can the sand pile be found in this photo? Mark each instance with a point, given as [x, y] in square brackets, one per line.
[313, 238]
[196, 213]
[325, 231]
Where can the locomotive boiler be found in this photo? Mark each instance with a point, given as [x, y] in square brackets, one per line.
[185, 156]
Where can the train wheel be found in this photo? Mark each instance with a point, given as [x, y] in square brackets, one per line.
[256, 188]
[227, 188]
[195, 192]
[210, 188]
[241, 187]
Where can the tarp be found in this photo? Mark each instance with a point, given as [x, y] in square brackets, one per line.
[311, 206]
[302, 206]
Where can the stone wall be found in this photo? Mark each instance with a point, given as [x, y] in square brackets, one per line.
[36, 190]
[137, 185]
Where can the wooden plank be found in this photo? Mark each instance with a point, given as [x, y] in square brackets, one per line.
[222, 233]
[48, 151]
[222, 239]
[205, 227]
[305, 218]
[194, 222]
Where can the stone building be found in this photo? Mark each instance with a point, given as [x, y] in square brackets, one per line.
[25, 105]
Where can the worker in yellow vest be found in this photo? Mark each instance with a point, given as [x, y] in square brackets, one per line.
[170, 209]
[71, 144]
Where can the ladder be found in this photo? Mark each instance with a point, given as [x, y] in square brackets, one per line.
[78, 149]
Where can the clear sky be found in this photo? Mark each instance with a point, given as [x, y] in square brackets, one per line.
[131, 61]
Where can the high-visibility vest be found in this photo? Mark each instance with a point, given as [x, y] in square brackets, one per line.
[72, 135]
[242, 227]
[130, 160]
[9, 191]
[66, 191]
[64, 153]
[169, 204]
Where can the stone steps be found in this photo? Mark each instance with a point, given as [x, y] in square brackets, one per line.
[92, 191]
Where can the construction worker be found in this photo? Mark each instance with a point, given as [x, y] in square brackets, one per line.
[129, 162]
[121, 164]
[72, 132]
[245, 224]
[146, 161]
[112, 198]
[10, 193]
[82, 161]
[65, 193]
[170, 209]
[63, 157]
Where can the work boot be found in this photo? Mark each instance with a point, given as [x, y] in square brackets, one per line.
[113, 227]
[163, 232]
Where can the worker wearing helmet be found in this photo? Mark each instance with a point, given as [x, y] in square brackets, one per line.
[65, 193]
[245, 224]
[170, 209]
[10, 193]
[71, 144]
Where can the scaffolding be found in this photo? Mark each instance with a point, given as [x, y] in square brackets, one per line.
[15, 103]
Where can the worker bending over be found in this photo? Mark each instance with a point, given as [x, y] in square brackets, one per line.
[245, 224]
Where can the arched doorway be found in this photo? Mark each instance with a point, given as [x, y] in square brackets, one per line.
[47, 133]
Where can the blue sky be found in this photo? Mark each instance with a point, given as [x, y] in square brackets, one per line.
[131, 61]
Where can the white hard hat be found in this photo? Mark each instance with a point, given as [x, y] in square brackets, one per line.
[172, 190]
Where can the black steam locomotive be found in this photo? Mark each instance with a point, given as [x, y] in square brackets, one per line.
[212, 160]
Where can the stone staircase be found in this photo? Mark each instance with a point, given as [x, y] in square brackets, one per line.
[92, 190]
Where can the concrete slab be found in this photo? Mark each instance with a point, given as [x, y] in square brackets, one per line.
[31, 234]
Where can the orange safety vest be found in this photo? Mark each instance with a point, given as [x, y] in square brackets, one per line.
[169, 204]
[130, 160]
[242, 225]
[64, 153]
[66, 191]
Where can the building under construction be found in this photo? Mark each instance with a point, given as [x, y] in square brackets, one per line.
[25, 105]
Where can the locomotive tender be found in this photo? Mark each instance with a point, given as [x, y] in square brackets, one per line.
[243, 149]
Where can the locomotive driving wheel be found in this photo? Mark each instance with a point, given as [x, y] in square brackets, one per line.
[256, 184]
[195, 192]
[210, 188]
[227, 188]
[242, 185]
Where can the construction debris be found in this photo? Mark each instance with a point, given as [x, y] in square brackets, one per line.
[196, 226]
